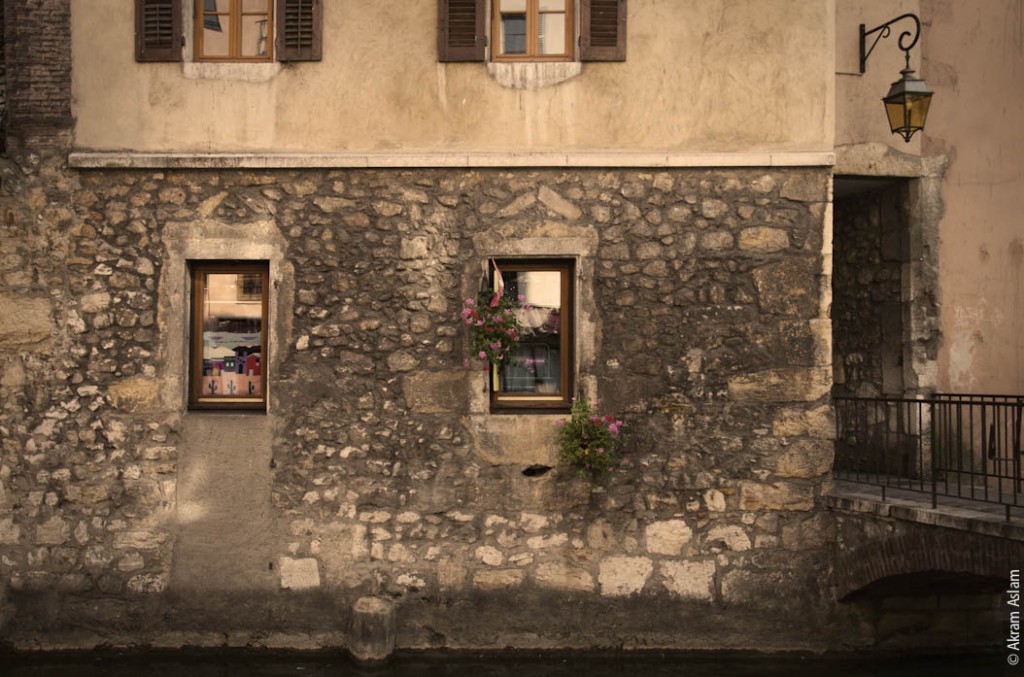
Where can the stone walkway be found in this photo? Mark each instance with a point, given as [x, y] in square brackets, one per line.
[915, 506]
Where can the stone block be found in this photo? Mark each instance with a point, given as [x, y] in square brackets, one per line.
[789, 287]
[778, 496]
[10, 533]
[299, 574]
[667, 537]
[731, 536]
[414, 248]
[806, 458]
[490, 556]
[805, 187]
[558, 204]
[139, 540]
[782, 385]
[563, 576]
[435, 392]
[622, 576]
[135, 394]
[498, 579]
[24, 320]
[801, 422]
[763, 240]
[402, 360]
[94, 302]
[689, 580]
[53, 531]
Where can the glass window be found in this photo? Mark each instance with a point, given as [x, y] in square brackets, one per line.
[233, 30]
[229, 332]
[533, 30]
[539, 373]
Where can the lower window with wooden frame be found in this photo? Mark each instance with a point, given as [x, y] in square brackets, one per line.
[539, 374]
[228, 335]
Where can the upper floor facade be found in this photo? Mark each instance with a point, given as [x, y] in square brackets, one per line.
[454, 76]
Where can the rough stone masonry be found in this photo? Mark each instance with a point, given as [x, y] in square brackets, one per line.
[378, 469]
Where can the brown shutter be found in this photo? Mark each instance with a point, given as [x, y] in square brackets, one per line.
[460, 30]
[158, 30]
[299, 30]
[602, 30]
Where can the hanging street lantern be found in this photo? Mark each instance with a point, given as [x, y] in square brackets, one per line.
[906, 104]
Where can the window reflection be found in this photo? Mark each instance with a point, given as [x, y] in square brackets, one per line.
[232, 327]
[536, 365]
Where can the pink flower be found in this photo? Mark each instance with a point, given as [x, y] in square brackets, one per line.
[482, 355]
[495, 346]
[560, 423]
[614, 429]
[520, 298]
[470, 302]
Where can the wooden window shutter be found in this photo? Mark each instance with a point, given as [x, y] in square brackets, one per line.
[158, 30]
[602, 30]
[460, 30]
[299, 30]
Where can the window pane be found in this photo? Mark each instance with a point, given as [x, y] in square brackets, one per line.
[255, 6]
[513, 33]
[254, 35]
[551, 34]
[536, 366]
[232, 324]
[552, 5]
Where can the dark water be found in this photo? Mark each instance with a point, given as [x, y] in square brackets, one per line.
[518, 664]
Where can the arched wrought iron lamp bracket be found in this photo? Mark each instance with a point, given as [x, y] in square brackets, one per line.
[883, 32]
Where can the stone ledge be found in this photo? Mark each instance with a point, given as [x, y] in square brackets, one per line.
[959, 517]
[131, 160]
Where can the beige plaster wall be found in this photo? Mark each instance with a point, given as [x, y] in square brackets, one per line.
[702, 75]
[975, 64]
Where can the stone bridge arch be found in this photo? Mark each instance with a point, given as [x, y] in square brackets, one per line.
[925, 548]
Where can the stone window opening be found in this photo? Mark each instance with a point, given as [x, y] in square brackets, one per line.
[228, 335]
[539, 376]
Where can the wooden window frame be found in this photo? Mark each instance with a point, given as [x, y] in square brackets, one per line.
[234, 17]
[197, 270]
[531, 402]
[532, 22]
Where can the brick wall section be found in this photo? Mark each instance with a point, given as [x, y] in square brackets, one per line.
[37, 52]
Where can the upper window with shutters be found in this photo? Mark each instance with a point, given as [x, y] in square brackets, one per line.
[228, 30]
[532, 30]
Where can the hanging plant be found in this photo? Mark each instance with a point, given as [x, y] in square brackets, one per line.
[494, 327]
[589, 443]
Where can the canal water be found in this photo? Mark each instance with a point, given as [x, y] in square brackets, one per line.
[517, 664]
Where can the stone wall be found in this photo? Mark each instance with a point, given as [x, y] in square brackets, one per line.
[378, 468]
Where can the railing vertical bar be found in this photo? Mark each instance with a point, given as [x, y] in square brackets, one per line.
[935, 486]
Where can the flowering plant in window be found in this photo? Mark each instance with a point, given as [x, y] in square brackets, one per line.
[494, 326]
[588, 442]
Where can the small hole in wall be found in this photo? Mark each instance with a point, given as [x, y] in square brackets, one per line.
[536, 470]
[270, 566]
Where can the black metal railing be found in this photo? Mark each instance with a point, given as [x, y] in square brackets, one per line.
[948, 445]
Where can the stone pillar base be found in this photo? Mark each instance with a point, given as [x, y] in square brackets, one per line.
[372, 636]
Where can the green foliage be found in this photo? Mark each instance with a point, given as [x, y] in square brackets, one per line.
[589, 443]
